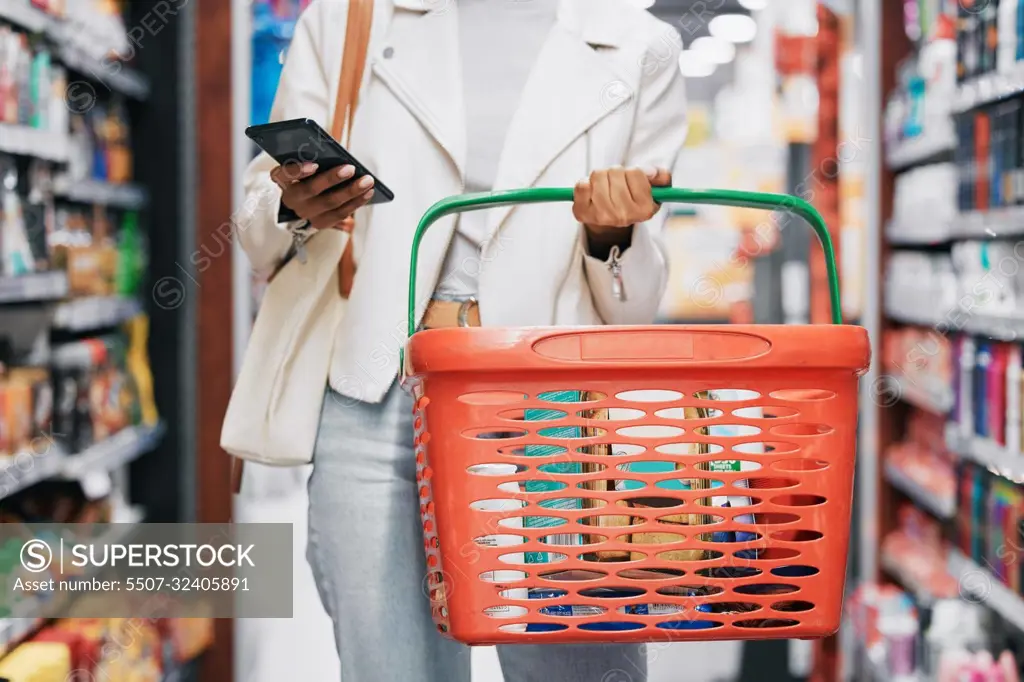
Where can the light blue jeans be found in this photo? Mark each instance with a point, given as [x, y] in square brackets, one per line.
[366, 550]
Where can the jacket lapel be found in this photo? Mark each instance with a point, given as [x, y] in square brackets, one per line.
[570, 89]
[419, 62]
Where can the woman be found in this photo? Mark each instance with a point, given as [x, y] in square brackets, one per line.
[462, 96]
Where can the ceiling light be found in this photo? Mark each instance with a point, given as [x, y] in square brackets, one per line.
[695, 65]
[736, 28]
[754, 5]
[715, 50]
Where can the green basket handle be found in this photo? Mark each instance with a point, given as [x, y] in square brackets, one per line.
[720, 197]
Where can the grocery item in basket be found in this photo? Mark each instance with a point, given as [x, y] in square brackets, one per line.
[606, 519]
[502, 578]
[665, 501]
[733, 465]
[540, 485]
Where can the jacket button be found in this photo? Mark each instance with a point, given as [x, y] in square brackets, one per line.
[389, 52]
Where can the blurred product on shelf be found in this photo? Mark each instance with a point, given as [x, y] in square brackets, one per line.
[920, 108]
[26, 411]
[18, 256]
[109, 649]
[926, 20]
[975, 279]
[987, 391]
[96, 27]
[887, 622]
[42, 661]
[921, 360]
[38, 213]
[96, 264]
[920, 286]
[101, 386]
[990, 37]
[924, 202]
[103, 251]
[100, 145]
[131, 259]
[990, 276]
[989, 158]
[922, 460]
[32, 87]
[989, 528]
[80, 247]
[916, 553]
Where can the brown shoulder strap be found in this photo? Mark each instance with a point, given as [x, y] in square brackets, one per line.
[353, 63]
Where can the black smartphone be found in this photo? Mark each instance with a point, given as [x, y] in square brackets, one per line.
[302, 140]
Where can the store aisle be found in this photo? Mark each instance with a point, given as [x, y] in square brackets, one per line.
[269, 650]
[703, 662]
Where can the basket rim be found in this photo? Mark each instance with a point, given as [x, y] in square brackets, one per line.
[824, 347]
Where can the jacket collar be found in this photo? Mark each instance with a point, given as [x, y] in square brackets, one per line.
[565, 95]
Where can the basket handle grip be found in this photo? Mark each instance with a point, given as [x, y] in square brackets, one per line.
[720, 197]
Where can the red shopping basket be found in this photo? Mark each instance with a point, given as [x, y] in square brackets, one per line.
[572, 480]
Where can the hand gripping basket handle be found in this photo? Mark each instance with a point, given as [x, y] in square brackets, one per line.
[720, 197]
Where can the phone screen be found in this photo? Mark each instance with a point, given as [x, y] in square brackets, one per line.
[301, 145]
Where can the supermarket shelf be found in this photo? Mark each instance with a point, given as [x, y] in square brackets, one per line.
[73, 51]
[126, 196]
[919, 150]
[25, 471]
[123, 447]
[999, 327]
[986, 452]
[95, 312]
[944, 509]
[40, 286]
[997, 222]
[112, 74]
[937, 399]
[25, 141]
[980, 585]
[20, 13]
[991, 87]
[915, 315]
[911, 234]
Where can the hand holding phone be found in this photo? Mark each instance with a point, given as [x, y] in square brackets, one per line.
[325, 199]
[320, 180]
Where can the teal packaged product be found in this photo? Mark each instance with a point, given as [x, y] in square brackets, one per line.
[540, 486]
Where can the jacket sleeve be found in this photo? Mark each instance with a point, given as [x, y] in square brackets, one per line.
[658, 134]
[303, 92]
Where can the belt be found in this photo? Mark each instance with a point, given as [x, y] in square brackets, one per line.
[442, 314]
